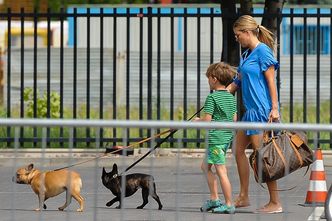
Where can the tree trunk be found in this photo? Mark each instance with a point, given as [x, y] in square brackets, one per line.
[230, 48]
[246, 7]
[271, 20]
[274, 8]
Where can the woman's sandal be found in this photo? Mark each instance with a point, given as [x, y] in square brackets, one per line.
[238, 203]
[267, 211]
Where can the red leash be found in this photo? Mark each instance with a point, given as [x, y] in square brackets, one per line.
[115, 151]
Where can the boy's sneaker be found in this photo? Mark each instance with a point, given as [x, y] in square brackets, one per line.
[210, 204]
[224, 209]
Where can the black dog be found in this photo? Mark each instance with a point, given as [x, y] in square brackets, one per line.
[134, 181]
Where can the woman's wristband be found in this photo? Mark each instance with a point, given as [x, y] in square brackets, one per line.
[237, 82]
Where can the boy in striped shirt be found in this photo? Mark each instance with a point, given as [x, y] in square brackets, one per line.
[220, 106]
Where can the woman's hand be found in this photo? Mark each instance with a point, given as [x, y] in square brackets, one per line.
[274, 115]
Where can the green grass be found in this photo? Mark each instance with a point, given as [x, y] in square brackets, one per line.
[165, 115]
[28, 132]
[298, 117]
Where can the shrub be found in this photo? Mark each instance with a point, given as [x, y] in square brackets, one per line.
[41, 104]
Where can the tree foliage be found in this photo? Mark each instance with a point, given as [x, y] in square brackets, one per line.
[55, 5]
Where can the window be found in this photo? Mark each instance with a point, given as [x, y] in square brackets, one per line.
[311, 43]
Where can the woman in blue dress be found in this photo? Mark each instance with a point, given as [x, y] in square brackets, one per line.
[256, 78]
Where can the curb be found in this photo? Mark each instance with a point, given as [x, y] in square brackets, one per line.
[57, 158]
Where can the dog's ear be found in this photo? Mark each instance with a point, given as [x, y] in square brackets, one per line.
[104, 171]
[30, 167]
[115, 169]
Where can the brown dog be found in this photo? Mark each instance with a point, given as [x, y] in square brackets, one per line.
[51, 183]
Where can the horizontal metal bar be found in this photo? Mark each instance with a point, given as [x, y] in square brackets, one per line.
[161, 124]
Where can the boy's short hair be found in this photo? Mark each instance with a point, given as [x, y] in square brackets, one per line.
[223, 72]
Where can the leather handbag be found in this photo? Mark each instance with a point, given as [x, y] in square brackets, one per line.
[280, 155]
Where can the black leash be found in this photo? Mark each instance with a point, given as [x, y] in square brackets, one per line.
[158, 144]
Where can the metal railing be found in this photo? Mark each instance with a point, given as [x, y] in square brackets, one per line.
[148, 63]
[179, 181]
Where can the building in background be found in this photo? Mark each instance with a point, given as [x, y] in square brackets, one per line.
[28, 5]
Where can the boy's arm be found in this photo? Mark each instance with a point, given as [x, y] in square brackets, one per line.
[205, 117]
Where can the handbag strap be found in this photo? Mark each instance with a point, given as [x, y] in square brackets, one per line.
[295, 149]
[278, 149]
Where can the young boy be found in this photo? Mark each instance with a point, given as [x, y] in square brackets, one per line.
[220, 106]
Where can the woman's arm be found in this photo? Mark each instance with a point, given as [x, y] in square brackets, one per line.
[232, 87]
[235, 117]
[270, 79]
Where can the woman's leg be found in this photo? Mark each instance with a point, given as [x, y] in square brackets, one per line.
[241, 143]
[224, 183]
[274, 204]
[211, 180]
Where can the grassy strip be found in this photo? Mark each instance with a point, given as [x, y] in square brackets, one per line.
[165, 115]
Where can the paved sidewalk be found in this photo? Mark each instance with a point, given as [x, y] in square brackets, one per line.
[179, 181]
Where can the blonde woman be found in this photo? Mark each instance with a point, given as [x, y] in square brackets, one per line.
[256, 78]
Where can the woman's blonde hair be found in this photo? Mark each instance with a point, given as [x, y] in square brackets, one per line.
[223, 72]
[248, 23]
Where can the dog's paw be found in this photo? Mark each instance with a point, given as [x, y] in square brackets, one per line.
[108, 204]
[79, 210]
[37, 209]
[61, 208]
[45, 207]
[139, 207]
[160, 208]
[118, 207]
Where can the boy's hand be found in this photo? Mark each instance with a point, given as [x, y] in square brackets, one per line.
[196, 119]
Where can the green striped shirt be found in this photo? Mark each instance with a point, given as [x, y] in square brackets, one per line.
[222, 106]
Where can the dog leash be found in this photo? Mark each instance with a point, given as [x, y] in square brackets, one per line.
[172, 131]
[115, 151]
[158, 144]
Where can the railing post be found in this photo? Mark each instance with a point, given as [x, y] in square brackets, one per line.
[318, 74]
[9, 40]
[101, 75]
[61, 73]
[22, 76]
[114, 69]
[35, 79]
[149, 34]
[48, 73]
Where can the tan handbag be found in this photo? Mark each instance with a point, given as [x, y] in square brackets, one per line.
[280, 155]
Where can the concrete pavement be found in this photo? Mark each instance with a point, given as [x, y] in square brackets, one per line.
[180, 185]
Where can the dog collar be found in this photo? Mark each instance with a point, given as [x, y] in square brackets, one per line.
[115, 176]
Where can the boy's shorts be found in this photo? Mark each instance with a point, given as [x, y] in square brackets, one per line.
[217, 154]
